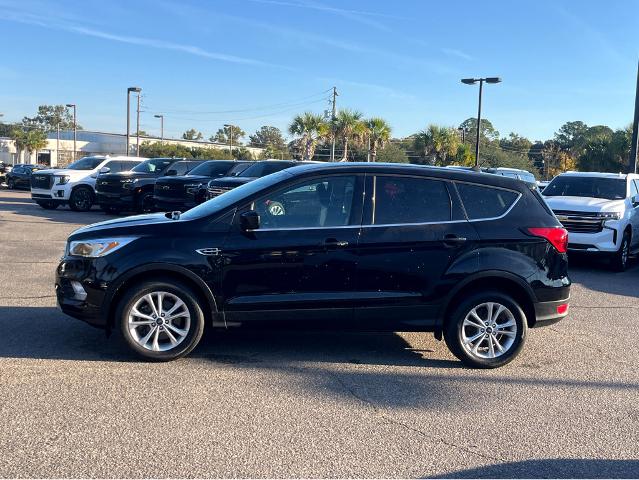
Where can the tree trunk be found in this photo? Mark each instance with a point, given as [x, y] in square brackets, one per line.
[373, 152]
[345, 156]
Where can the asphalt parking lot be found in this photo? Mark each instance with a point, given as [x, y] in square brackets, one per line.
[284, 404]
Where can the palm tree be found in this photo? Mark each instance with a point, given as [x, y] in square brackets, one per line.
[440, 142]
[378, 132]
[349, 126]
[310, 127]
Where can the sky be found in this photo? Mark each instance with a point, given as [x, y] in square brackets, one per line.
[259, 62]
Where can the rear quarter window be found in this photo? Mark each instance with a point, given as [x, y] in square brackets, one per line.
[483, 202]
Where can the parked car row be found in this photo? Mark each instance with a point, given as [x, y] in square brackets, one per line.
[20, 175]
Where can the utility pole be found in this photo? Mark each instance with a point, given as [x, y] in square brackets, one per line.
[57, 144]
[335, 94]
[75, 130]
[632, 165]
[230, 127]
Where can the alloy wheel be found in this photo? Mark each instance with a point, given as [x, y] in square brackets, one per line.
[489, 330]
[82, 199]
[159, 321]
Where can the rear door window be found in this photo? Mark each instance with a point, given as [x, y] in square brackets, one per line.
[483, 202]
[114, 166]
[404, 200]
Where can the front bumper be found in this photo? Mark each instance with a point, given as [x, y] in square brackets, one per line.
[172, 203]
[606, 241]
[117, 200]
[89, 307]
[58, 193]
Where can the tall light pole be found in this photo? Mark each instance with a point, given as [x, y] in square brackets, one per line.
[230, 127]
[632, 167]
[472, 81]
[161, 117]
[75, 129]
[128, 115]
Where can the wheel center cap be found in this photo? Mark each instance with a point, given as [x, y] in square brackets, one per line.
[489, 329]
[159, 321]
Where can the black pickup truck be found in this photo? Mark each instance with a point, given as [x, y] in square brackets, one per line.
[187, 191]
[133, 190]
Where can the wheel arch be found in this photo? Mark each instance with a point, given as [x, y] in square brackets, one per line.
[160, 271]
[506, 282]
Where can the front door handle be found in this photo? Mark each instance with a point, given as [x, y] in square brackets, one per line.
[453, 240]
[335, 243]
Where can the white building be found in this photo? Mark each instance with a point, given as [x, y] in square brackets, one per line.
[60, 152]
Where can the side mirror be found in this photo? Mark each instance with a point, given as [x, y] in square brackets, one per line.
[635, 201]
[105, 170]
[171, 173]
[249, 221]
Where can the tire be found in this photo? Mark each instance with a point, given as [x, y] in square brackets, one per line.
[47, 205]
[145, 203]
[11, 184]
[81, 199]
[619, 260]
[142, 338]
[458, 330]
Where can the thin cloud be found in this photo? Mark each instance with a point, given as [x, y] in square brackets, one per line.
[456, 53]
[380, 89]
[30, 18]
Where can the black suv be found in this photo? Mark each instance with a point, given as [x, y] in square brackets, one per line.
[187, 191]
[477, 259]
[256, 170]
[133, 190]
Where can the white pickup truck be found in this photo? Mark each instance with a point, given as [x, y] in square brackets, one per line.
[600, 212]
[75, 184]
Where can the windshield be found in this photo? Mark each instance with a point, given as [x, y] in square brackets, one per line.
[261, 169]
[86, 163]
[594, 187]
[227, 199]
[212, 169]
[153, 166]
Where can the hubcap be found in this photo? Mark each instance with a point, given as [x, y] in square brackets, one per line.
[159, 321]
[276, 209]
[488, 330]
[82, 199]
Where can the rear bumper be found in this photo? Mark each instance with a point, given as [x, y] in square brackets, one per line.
[547, 313]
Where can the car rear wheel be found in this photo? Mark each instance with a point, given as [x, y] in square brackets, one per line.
[619, 260]
[145, 203]
[48, 205]
[160, 321]
[486, 330]
[81, 199]
[11, 184]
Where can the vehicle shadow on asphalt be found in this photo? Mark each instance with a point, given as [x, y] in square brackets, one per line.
[595, 274]
[553, 468]
[14, 199]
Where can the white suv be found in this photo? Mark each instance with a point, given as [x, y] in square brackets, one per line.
[600, 212]
[75, 184]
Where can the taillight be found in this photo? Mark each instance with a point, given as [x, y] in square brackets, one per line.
[557, 236]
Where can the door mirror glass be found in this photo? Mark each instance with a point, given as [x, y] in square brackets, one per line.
[635, 201]
[171, 173]
[250, 221]
[105, 170]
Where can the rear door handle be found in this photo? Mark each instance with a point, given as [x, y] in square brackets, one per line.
[453, 240]
[335, 243]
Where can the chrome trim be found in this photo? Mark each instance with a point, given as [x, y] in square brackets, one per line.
[209, 252]
[303, 228]
[505, 213]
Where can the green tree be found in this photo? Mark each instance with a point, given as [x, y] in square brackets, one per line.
[49, 117]
[569, 134]
[349, 127]
[29, 140]
[309, 128]
[487, 132]
[157, 149]
[439, 144]
[515, 143]
[192, 134]
[378, 133]
[391, 153]
[228, 133]
[271, 139]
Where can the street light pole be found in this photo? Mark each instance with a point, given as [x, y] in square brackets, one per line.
[472, 81]
[128, 115]
[161, 117]
[75, 130]
[335, 95]
[230, 127]
[632, 167]
[137, 148]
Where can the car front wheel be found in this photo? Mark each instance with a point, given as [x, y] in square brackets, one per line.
[619, 260]
[81, 199]
[11, 184]
[160, 321]
[486, 330]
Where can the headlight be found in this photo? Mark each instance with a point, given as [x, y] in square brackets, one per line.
[610, 215]
[128, 183]
[97, 248]
[192, 187]
[63, 179]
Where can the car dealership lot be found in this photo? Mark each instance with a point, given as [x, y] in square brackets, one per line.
[256, 404]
